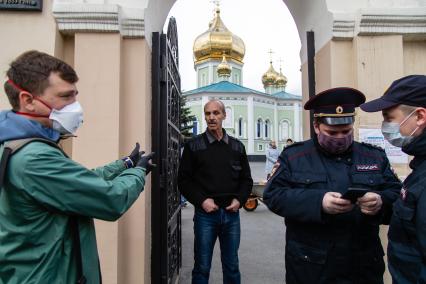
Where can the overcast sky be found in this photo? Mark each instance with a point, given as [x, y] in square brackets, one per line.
[262, 25]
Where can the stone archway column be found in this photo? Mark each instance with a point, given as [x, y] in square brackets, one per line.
[113, 61]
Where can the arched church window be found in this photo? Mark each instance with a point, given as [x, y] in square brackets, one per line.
[240, 127]
[194, 127]
[229, 121]
[267, 128]
[259, 128]
[285, 130]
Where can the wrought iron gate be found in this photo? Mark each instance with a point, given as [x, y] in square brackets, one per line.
[166, 254]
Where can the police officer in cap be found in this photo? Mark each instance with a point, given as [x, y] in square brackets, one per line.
[332, 237]
[403, 107]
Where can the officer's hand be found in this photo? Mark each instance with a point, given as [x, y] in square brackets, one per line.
[145, 162]
[333, 204]
[235, 205]
[209, 205]
[370, 203]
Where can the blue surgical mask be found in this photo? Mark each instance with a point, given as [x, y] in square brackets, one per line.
[391, 132]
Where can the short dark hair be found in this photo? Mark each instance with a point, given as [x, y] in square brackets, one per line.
[289, 140]
[31, 71]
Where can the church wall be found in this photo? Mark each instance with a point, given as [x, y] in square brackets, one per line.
[196, 110]
[22, 31]
[323, 68]
[286, 115]
[134, 238]
[342, 69]
[414, 57]
[203, 76]
[264, 114]
[240, 111]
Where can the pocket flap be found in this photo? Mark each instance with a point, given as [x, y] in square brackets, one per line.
[307, 178]
[403, 212]
[307, 253]
[367, 179]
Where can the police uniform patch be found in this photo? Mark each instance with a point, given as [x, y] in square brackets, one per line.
[367, 168]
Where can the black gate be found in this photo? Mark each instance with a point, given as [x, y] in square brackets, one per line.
[166, 255]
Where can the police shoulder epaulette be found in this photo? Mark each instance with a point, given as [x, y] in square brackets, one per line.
[294, 145]
[373, 146]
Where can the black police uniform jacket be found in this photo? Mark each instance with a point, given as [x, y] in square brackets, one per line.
[407, 230]
[324, 248]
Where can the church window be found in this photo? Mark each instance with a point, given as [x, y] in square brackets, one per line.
[240, 127]
[229, 121]
[259, 128]
[285, 130]
[194, 127]
[267, 128]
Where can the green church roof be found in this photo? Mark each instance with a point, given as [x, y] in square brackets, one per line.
[228, 87]
[287, 96]
[223, 87]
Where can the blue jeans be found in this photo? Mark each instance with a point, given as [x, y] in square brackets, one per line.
[207, 227]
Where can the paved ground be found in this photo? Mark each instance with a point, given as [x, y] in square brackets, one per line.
[262, 245]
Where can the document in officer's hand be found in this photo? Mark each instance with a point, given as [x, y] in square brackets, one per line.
[354, 193]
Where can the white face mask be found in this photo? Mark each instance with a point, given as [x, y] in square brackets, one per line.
[68, 119]
[392, 134]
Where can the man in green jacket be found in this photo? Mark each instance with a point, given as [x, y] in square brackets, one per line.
[47, 200]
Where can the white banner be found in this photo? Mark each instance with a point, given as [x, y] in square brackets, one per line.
[375, 137]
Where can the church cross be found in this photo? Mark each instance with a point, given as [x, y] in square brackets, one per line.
[216, 3]
[270, 54]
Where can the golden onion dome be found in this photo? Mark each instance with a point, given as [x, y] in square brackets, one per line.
[218, 40]
[281, 80]
[223, 69]
[270, 76]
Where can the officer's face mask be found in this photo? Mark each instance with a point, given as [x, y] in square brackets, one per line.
[391, 132]
[335, 145]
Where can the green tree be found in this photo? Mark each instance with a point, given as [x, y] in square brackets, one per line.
[186, 119]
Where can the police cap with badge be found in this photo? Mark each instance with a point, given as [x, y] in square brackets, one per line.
[335, 106]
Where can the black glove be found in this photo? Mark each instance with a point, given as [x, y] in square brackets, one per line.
[131, 160]
[145, 162]
[135, 155]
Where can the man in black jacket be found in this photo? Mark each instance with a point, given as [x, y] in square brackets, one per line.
[403, 107]
[214, 175]
[329, 239]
